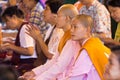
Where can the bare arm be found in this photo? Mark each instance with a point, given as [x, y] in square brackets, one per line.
[35, 33]
[20, 50]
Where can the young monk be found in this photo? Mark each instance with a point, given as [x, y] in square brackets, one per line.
[112, 70]
[61, 63]
[92, 58]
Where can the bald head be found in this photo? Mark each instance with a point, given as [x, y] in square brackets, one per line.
[68, 10]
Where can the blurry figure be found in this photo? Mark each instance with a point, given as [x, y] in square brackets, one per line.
[114, 8]
[112, 71]
[12, 2]
[8, 72]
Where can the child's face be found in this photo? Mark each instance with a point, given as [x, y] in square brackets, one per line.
[11, 22]
[112, 70]
[78, 31]
[61, 20]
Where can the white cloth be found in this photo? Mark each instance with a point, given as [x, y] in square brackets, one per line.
[54, 40]
[26, 41]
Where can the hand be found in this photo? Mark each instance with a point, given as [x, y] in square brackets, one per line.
[28, 75]
[33, 31]
[7, 46]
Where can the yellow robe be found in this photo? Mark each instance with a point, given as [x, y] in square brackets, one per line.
[96, 51]
[117, 34]
[63, 40]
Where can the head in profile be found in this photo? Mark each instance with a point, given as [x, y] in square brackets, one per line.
[64, 16]
[8, 72]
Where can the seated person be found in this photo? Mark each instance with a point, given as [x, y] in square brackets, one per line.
[92, 57]
[24, 52]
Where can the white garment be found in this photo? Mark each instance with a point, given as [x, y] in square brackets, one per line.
[54, 40]
[26, 41]
[48, 32]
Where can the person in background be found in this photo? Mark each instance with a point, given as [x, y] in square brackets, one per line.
[12, 2]
[35, 15]
[112, 69]
[114, 8]
[88, 64]
[100, 15]
[49, 46]
[24, 53]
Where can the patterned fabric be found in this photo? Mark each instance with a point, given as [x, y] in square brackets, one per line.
[63, 40]
[100, 16]
[54, 40]
[117, 34]
[36, 18]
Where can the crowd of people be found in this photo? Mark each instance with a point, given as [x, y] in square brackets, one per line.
[58, 41]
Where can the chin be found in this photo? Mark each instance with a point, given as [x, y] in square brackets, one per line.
[117, 20]
[73, 38]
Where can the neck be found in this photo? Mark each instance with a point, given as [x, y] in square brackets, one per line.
[20, 23]
[52, 23]
[83, 39]
[66, 28]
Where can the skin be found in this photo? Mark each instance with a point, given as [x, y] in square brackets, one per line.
[112, 70]
[87, 2]
[34, 32]
[8, 46]
[115, 13]
[29, 3]
[79, 32]
[65, 26]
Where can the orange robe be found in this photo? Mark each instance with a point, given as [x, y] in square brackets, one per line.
[63, 40]
[97, 53]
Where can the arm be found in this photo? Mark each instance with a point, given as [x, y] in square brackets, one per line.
[26, 44]
[35, 33]
[20, 50]
[40, 69]
[62, 62]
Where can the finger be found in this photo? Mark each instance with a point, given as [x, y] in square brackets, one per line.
[28, 33]
[28, 28]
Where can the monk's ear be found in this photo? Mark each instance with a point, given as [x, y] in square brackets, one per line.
[88, 29]
[55, 15]
[68, 18]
